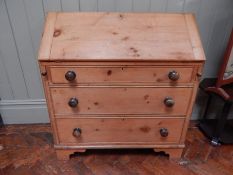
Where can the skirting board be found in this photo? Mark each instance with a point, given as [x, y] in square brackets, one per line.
[35, 111]
[24, 111]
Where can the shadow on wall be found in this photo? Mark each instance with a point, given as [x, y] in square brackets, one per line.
[200, 104]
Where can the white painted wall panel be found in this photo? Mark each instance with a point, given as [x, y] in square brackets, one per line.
[107, 5]
[141, 6]
[9, 58]
[23, 40]
[124, 5]
[175, 5]
[70, 5]
[6, 91]
[35, 16]
[158, 5]
[88, 5]
[52, 5]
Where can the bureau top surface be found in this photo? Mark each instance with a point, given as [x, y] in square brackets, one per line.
[120, 36]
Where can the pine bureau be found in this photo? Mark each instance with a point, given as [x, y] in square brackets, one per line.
[120, 80]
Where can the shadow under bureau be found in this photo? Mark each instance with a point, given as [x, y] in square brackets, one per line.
[120, 80]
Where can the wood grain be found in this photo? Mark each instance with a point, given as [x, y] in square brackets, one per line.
[194, 36]
[166, 37]
[49, 102]
[46, 42]
[119, 131]
[120, 100]
[121, 74]
[121, 62]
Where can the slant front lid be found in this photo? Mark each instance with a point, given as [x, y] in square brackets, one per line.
[121, 36]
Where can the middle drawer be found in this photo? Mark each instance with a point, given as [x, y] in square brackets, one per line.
[121, 100]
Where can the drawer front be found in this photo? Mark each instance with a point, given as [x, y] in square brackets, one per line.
[121, 74]
[119, 130]
[120, 100]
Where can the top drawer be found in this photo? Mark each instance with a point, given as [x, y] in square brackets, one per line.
[120, 74]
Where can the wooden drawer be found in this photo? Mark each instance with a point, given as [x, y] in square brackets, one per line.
[119, 130]
[120, 100]
[120, 74]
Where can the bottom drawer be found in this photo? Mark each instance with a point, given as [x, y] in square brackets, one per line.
[80, 131]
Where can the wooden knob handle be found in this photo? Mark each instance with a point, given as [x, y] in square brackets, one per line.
[163, 132]
[70, 75]
[44, 73]
[169, 102]
[77, 132]
[173, 75]
[73, 102]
